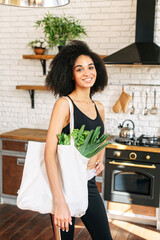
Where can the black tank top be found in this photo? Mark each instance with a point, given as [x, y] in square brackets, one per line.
[81, 119]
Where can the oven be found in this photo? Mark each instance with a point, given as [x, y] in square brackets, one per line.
[132, 175]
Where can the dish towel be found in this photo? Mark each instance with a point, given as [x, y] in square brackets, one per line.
[122, 102]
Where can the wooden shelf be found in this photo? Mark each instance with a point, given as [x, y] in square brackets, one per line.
[31, 89]
[43, 57]
[46, 57]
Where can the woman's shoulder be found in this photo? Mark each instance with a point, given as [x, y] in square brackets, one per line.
[62, 102]
[61, 106]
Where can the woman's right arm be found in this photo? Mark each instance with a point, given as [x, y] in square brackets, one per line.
[59, 118]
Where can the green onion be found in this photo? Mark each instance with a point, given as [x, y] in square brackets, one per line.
[87, 142]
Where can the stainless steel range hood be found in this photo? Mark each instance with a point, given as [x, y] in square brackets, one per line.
[144, 50]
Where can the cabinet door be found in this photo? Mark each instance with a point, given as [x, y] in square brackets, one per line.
[12, 168]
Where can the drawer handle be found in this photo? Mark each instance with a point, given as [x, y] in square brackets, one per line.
[132, 164]
[25, 146]
[20, 161]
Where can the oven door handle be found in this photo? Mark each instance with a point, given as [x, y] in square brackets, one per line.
[132, 164]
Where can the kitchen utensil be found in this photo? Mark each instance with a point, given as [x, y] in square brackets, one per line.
[146, 110]
[127, 132]
[154, 109]
[132, 110]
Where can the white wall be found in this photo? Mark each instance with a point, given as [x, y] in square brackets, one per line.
[110, 25]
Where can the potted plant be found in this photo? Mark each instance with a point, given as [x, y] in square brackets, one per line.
[60, 30]
[39, 46]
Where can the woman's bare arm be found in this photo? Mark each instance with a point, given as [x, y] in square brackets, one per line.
[59, 117]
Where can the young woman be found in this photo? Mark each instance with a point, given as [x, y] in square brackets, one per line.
[78, 73]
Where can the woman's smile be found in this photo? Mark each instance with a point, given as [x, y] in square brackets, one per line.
[88, 80]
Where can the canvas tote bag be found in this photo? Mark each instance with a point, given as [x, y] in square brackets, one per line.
[35, 193]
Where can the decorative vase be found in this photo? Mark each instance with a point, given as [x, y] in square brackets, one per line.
[39, 50]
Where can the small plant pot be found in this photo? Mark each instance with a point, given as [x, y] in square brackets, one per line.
[39, 51]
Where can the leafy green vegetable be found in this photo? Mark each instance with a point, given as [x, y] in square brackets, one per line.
[64, 139]
[87, 142]
[79, 135]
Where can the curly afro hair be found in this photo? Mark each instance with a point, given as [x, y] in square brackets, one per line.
[60, 76]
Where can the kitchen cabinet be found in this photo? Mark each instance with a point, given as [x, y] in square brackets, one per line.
[12, 165]
[13, 147]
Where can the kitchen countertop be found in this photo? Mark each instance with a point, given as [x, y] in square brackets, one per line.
[27, 134]
[30, 134]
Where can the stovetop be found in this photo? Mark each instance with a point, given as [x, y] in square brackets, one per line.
[143, 140]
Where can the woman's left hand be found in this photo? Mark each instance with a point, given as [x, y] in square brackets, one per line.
[99, 167]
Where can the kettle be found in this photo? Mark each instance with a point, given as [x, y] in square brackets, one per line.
[127, 132]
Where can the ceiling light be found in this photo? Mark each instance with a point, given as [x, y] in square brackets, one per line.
[34, 3]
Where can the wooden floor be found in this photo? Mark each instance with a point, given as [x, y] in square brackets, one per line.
[16, 224]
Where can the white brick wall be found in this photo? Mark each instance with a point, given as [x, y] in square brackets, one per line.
[110, 25]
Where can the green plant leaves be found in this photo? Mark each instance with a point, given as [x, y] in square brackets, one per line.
[60, 29]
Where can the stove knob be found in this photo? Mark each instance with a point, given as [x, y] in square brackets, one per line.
[148, 157]
[117, 154]
[132, 156]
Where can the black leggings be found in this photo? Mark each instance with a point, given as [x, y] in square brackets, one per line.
[95, 218]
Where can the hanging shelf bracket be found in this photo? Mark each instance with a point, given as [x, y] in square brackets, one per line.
[31, 89]
[31, 93]
[43, 62]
